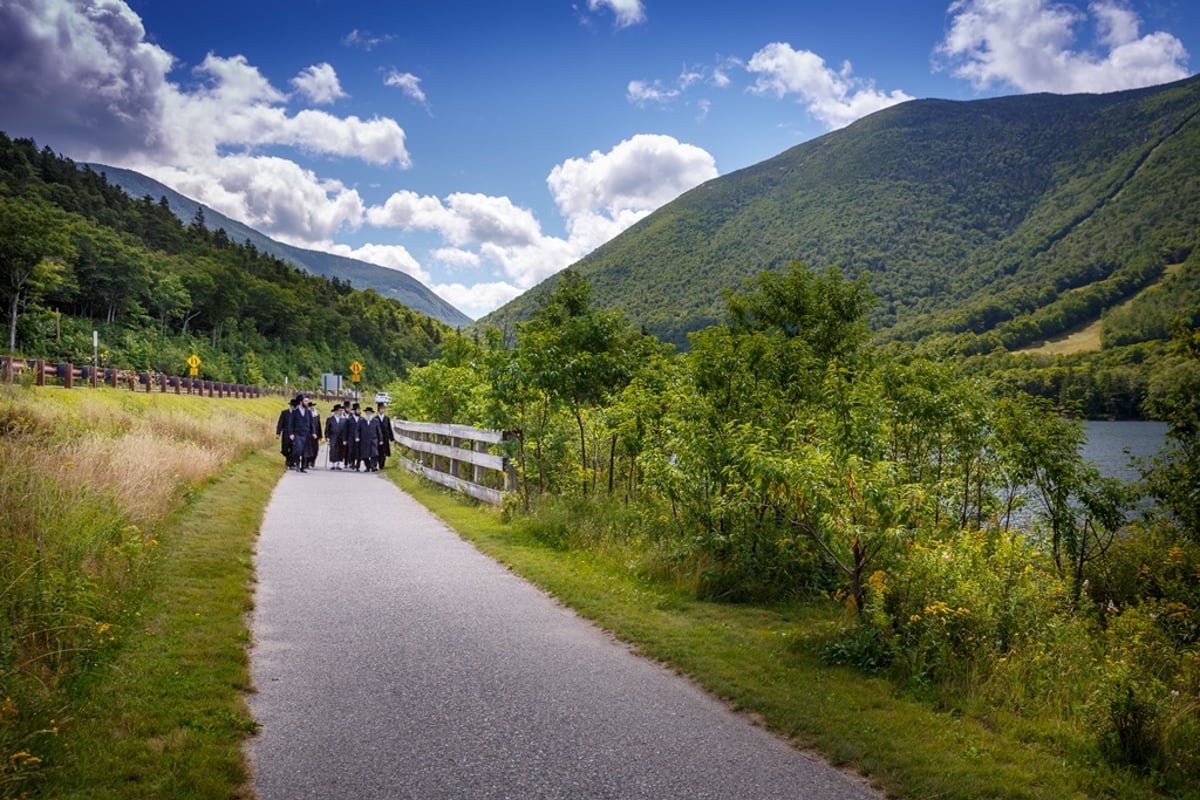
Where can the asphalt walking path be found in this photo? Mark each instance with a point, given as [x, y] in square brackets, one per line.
[393, 660]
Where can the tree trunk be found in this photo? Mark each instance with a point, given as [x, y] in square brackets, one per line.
[582, 449]
[12, 323]
[612, 463]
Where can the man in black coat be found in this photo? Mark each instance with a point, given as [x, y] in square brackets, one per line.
[335, 436]
[353, 438]
[370, 434]
[300, 432]
[386, 435]
[313, 445]
[283, 430]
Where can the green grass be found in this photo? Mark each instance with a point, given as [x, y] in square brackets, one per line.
[166, 717]
[765, 661]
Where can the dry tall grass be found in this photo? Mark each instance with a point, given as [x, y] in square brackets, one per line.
[88, 480]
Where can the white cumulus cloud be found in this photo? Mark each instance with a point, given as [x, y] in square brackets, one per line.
[835, 97]
[1033, 45]
[639, 174]
[319, 83]
[599, 196]
[479, 298]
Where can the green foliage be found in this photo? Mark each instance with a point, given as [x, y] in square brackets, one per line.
[1175, 396]
[987, 567]
[158, 291]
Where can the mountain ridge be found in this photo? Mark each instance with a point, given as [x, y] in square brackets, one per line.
[1014, 217]
[360, 274]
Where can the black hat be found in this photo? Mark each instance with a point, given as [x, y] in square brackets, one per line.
[368, 410]
[336, 406]
[299, 398]
[295, 401]
[354, 406]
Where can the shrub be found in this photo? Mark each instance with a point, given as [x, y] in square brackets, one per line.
[947, 609]
[1146, 702]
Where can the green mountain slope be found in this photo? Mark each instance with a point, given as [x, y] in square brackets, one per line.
[359, 274]
[1016, 218]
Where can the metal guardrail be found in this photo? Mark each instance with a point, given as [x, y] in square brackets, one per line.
[71, 376]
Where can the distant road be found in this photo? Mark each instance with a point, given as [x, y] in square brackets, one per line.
[393, 660]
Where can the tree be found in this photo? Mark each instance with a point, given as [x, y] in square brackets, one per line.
[1040, 451]
[1174, 478]
[33, 238]
[168, 297]
[577, 354]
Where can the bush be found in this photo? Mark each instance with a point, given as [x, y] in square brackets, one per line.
[949, 609]
[1146, 704]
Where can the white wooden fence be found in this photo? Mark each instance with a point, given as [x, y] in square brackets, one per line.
[456, 456]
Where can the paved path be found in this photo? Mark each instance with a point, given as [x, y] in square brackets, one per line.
[393, 660]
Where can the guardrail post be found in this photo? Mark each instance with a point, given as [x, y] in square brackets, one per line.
[69, 377]
[39, 378]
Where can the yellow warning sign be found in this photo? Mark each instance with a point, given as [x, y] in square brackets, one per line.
[193, 362]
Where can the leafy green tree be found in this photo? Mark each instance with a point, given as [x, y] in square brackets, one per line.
[169, 299]
[1082, 510]
[1174, 478]
[577, 354]
[32, 239]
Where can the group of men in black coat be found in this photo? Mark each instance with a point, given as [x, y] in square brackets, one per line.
[357, 439]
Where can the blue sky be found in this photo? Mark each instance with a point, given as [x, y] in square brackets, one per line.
[483, 146]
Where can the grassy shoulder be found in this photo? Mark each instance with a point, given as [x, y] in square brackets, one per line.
[766, 661]
[167, 716]
[129, 520]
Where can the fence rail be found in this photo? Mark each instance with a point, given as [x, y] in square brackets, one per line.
[456, 456]
[70, 375]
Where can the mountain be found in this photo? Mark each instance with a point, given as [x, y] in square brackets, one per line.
[359, 274]
[1016, 218]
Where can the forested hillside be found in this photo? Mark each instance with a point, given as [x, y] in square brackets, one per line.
[998, 222]
[78, 254]
[359, 274]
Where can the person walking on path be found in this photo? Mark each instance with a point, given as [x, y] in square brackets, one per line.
[353, 438]
[386, 435]
[335, 436]
[283, 430]
[371, 435]
[393, 660]
[312, 445]
[298, 432]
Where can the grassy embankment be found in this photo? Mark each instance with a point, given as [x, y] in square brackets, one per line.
[767, 661]
[125, 570]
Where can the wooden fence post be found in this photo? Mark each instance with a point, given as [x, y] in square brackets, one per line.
[39, 379]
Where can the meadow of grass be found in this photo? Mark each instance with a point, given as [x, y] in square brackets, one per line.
[100, 492]
[771, 661]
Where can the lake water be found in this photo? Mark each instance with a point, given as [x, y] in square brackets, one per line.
[1111, 444]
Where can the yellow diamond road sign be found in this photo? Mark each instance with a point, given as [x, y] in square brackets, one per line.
[355, 367]
[193, 361]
